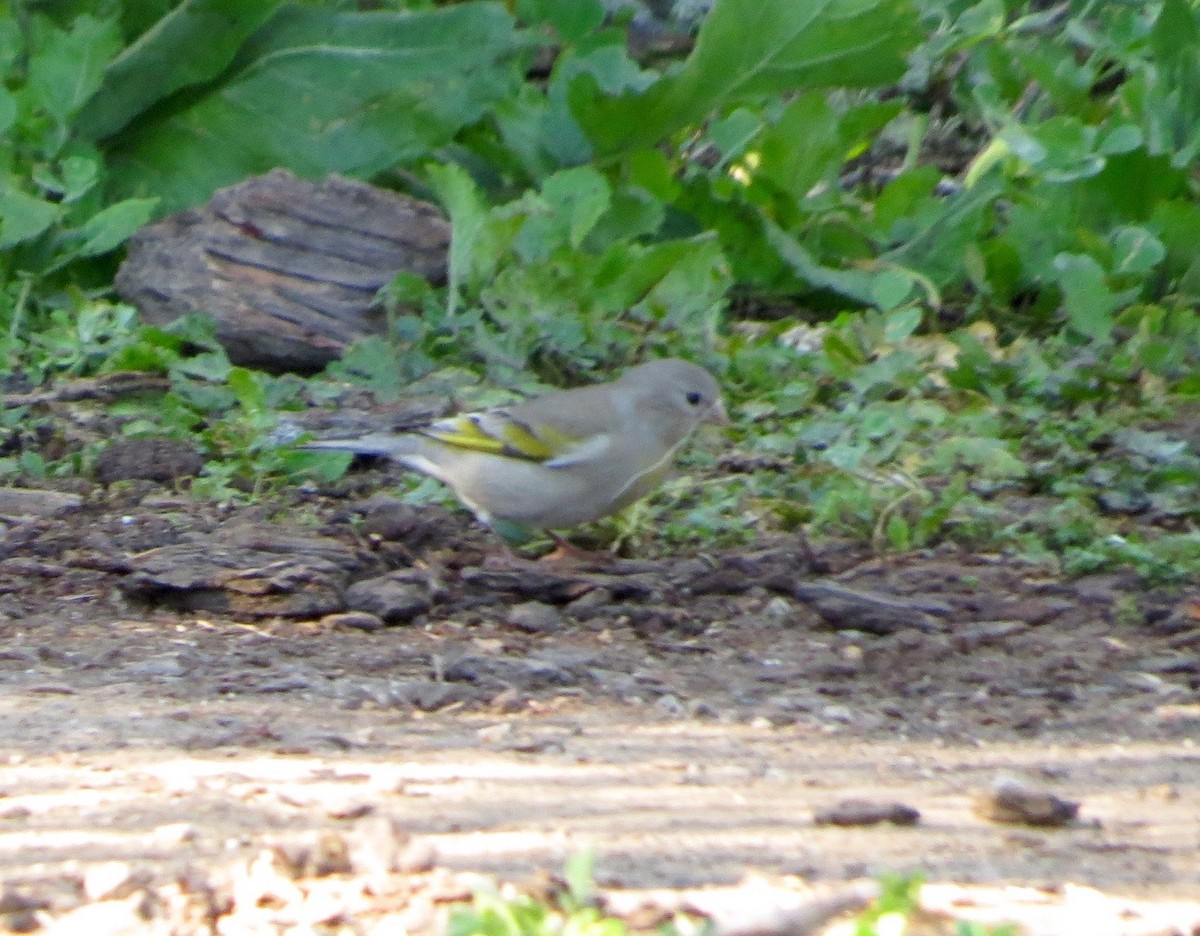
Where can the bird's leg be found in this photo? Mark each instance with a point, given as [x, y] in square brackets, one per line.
[568, 552]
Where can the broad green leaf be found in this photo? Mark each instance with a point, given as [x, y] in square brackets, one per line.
[691, 292]
[1175, 223]
[1135, 251]
[192, 44]
[610, 69]
[633, 214]
[892, 287]
[803, 147]
[751, 49]
[578, 197]
[8, 111]
[1121, 139]
[79, 175]
[907, 197]
[319, 91]
[107, 229]
[945, 230]
[372, 363]
[571, 20]
[649, 169]
[11, 42]
[468, 215]
[732, 134]
[1088, 301]
[67, 66]
[23, 217]
[853, 284]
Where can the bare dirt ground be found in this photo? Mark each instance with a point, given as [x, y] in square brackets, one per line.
[206, 726]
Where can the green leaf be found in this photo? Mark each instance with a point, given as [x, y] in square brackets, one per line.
[79, 175]
[892, 287]
[577, 198]
[319, 91]
[23, 217]
[572, 21]
[803, 147]
[372, 363]
[751, 49]
[901, 324]
[1088, 301]
[8, 110]
[854, 284]
[1135, 251]
[107, 229]
[607, 68]
[733, 133]
[192, 44]
[66, 67]
[468, 215]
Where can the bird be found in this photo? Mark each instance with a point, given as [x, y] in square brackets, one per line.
[563, 459]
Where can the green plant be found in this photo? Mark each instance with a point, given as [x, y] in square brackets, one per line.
[942, 255]
[573, 912]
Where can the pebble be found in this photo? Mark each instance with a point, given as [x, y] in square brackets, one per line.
[1015, 802]
[395, 602]
[864, 812]
[534, 617]
[353, 620]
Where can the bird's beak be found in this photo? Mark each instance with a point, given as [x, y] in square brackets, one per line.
[717, 415]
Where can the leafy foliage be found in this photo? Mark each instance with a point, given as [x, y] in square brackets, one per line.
[942, 254]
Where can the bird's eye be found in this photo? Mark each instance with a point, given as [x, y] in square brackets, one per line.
[694, 398]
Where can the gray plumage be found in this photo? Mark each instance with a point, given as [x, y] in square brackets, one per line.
[565, 458]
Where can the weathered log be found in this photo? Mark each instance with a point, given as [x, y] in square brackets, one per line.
[288, 268]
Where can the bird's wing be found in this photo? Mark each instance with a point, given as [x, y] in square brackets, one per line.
[499, 432]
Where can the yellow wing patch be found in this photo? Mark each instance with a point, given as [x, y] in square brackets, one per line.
[496, 433]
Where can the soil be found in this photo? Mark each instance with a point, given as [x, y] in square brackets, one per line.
[201, 731]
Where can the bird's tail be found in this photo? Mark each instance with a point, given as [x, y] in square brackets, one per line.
[376, 443]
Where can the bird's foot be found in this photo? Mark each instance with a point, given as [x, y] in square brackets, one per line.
[568, 553]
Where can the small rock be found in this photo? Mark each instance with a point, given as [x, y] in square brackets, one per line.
[427, 696]
[986, 634]
[871, 612]
[1171, 663]
[162, 667]
[1014, 802]
[327, 854]
[395, 521]
[375, 845]
[534, 746]
[700, 708]
[533, 617]
[591, 603]
[492, 734]
[507, 701]
[837, 713]
[21, 921]
[863, 812]
[350, 809]
[31, 502]
[417, 857]
[353, 620]
[1181, 713]
[15, 901]
[396, 602]
[148, 459]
